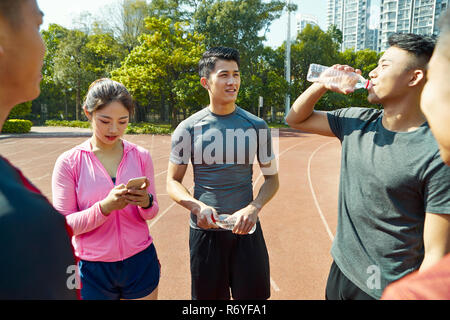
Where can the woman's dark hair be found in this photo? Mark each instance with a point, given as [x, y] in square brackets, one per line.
[420, 46]
[104, 91]
[208, 61]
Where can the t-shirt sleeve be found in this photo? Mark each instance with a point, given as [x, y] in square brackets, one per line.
[336, 122]
[265, 143]
[344, 121]
[181, 145]
[437, 187]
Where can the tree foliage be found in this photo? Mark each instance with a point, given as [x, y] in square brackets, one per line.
[162, 70]
[153, 48]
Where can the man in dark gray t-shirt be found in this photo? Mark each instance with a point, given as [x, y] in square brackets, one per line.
[223, 141]
[388, 181]
[394, 192]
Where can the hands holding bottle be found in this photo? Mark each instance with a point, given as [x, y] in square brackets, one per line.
[206, 216]
[245, 219]
[338, 78]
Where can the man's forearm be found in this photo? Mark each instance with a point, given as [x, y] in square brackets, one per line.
[303, 106]
[267, 191]
[181, 195]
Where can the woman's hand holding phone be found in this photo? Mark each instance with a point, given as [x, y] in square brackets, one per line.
[137, 192]
[115, 200]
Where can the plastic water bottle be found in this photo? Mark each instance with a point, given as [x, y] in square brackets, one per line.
[337, 78]
[227, 221]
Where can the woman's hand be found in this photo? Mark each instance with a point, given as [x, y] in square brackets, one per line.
[115, 200]
[138, 197]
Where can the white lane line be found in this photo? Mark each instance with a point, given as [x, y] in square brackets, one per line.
[322, 217]
[162, 172]
[272, 282]
[279, 156]
[274, 285]
[159, 216]
[151, 145]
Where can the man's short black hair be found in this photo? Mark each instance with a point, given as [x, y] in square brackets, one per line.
[420, 46]
[208, 61]
[11, 10]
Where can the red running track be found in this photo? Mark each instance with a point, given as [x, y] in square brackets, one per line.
[298, 224]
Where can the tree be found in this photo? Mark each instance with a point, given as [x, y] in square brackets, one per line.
[311, 46]
[335, 34]
[53, 95]
[268, 82]
[175, 10]
[241, 25]
[125, 20]
[20, 111]
[81, 59]
[162, 70]
[237, 24]
[105, 54]
[365, 60]
[69, 65]
[315, 46]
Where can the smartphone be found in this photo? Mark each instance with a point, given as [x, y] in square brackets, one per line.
[136, 183]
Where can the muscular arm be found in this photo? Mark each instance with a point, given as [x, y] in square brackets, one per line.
[302, 115]
[436, 237]
[269, 188]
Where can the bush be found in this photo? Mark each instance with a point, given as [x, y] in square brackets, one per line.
[133, 128]
[20, 111]
[17, 126]
[66, 123]
[147, 128]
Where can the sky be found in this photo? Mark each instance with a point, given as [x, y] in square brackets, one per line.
[64, 11]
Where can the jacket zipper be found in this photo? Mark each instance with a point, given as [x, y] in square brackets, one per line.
[119, 238]
[119, 235]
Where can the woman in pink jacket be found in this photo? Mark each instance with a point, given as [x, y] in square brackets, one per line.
[110, 235]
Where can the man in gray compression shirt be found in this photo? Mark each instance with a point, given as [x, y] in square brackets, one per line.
[222, 141]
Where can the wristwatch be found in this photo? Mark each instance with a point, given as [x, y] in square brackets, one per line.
[150, 203]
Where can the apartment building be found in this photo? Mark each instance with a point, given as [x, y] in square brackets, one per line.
[352, 18]
[409, 16]
[305, 19]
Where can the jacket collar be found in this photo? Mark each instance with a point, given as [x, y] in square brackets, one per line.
[86, 146]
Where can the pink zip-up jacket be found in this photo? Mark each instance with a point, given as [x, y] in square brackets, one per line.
[80, 182]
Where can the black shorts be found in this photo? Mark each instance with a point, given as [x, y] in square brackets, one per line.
[221, 260]
[339, 287]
